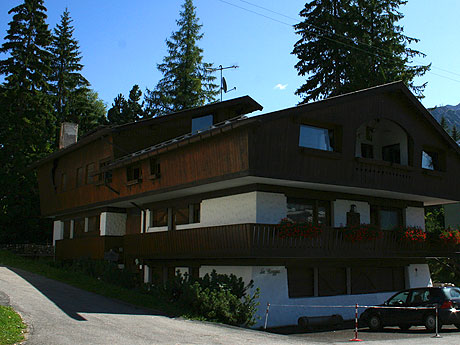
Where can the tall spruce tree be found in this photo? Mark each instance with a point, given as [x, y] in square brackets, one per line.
[347, 45]
[73, 100]
[28, 125]
[186, 81]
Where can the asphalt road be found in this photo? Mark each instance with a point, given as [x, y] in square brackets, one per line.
[58, 314]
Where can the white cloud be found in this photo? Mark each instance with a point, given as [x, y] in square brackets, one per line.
[280, 86]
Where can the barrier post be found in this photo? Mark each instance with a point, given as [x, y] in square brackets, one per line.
[356, 325]
[437, 324]
[266, 316]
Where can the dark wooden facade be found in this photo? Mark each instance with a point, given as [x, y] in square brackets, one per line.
[275, 151]
[265, 148]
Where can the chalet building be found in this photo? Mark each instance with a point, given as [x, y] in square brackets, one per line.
[204, 188]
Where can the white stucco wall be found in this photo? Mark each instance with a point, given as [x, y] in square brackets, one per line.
[452, 215]
[271, 207]
[58, 231]
[418, 275]
[232, 209]
[341, 207]
[252, 207]
[415, 216]
[113, 224]
[272, 282]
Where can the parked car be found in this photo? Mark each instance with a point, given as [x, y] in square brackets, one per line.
[447, 298]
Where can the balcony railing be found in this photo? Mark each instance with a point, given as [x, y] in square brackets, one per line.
[265, 241]
[87, 247]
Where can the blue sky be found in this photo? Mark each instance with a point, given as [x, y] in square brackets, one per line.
[122, 41]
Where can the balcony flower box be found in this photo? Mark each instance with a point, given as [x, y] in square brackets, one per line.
[361, 233]
[450, 237]
[288, 229]
[413, 234]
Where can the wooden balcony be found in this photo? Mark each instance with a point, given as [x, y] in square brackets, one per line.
[87, 247]
[264, 241]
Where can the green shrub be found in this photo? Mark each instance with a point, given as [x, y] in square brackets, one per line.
[214, 297]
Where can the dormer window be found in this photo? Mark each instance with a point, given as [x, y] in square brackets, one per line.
[202, 123]
[316, 138]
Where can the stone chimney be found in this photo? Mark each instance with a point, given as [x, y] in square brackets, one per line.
[69, 134]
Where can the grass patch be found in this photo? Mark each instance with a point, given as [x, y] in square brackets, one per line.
[85, 282]
[11, 326]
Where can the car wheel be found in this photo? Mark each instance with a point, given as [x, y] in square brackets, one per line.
[375, 323]
[430, 323]
[404, 326]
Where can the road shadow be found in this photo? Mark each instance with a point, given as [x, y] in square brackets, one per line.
[73, 301]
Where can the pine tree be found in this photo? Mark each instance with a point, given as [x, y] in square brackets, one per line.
[455, 134]
[125, 111]
[444, 124]
[115, 114]
[186, 81]
[27, 127]
[348, 45]
[88, 110]
[70, 88]
[134, 107]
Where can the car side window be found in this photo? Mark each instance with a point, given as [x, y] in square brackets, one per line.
[419, 296]
[399, 299]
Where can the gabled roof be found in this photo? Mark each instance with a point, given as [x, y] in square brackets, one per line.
[397, 86]
[240, 121]
[240, 106]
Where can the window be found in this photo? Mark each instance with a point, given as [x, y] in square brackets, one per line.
[80, 177]
[181, 215]
[105, 177]
[391, 153]
[300, 281]
[90, 173]
[154, 168]
[376, 279]
[66, 229]
[332, 281]
[93, 224]
[160, 217]
[133, 173]
[386, 218]
[308, 211]
[79, 227]
[195, 213]
[367, 151]
[202, 123]
[430, 160]
[316, 138]
[63, 182]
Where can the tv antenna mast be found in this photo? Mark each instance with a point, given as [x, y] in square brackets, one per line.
[223, 82]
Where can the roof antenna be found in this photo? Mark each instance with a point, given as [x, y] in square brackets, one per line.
[223, 82]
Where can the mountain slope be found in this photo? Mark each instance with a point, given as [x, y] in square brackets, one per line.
[450, 112]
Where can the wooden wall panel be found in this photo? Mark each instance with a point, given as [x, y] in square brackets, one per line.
[275, 151]
[195, 163]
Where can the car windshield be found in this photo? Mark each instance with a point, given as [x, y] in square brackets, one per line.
[453, 292]
[398, 299]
